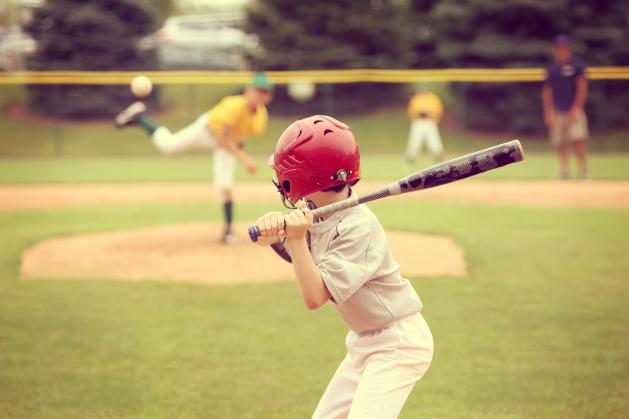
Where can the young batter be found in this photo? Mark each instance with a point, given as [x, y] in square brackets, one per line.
[346, 259]
[223, 129]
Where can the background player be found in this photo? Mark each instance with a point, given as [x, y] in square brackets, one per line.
[389, 345]
[563, 96]
[425, 110]
[222, 129]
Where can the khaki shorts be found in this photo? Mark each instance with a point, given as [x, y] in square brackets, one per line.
[565, 130]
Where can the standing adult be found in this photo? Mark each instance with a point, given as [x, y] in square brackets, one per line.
[563, 96]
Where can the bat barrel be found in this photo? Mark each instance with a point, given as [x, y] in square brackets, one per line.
[463, 167]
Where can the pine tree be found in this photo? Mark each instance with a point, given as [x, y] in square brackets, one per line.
[343, 34]
[95, 35]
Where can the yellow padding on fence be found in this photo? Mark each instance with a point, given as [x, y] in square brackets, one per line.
[494, 75]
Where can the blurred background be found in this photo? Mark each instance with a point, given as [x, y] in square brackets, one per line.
[50, 118]
[537, 327]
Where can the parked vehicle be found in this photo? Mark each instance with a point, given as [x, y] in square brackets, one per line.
[15, 47]
[202, 42]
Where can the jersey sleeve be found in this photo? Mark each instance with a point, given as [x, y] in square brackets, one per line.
[345, 267]
[411, 108]
[259, 121]
[226, 113]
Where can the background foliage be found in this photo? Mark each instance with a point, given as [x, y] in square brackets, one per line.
[333, 35]
[445, 34]
[98, 35]
[519, 33]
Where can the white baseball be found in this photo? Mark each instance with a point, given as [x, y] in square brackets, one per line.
[301, 90]
[141, 86]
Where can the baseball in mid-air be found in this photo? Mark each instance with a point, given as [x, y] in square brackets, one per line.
[141, 86]
[301, 90]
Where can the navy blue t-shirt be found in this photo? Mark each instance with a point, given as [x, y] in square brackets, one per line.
[563, 81]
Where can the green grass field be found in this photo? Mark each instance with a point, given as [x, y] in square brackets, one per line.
[539, 166]
[384, 131]
[538, 329]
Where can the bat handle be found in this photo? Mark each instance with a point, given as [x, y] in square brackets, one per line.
[254, 233]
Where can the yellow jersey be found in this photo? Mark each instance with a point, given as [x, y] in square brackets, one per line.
[425, 105]
[235, 113]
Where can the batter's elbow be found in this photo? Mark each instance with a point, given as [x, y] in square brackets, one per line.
[313, 303]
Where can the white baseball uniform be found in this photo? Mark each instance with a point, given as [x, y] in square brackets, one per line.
[423, 131]
[198, 135]
[389, 345]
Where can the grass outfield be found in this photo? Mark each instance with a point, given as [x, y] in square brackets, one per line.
[538, 329]
[385, 131]
[537, 166]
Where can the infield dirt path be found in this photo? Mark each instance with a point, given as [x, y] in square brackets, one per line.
[574, 194]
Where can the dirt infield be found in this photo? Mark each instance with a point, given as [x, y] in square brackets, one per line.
[575, 194]
[191, 253]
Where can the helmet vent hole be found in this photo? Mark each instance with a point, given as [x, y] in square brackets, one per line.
[299, 135]
[317, 121]
[327, 131]
[286, 186]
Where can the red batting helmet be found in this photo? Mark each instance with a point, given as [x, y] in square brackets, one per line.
[314, 154]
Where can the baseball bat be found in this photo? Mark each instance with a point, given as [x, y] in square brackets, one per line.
[440, 174]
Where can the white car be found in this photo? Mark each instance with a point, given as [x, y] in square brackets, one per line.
[15, 47]
[202, 42]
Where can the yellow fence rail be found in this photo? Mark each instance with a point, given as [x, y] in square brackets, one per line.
[471, 75]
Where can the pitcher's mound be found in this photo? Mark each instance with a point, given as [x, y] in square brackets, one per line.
[192, 253]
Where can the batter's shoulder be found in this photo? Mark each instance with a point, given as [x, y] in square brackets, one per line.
[359, 221]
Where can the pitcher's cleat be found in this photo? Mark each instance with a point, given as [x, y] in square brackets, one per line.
[228, 238]
[131, 115]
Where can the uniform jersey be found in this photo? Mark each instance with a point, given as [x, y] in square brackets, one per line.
[425, 105]
[235, 113]
[562, 78]
[352, 253]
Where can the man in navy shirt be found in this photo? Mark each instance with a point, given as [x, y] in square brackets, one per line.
[564, 94]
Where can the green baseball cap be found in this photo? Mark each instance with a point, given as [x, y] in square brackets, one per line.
[261, 81]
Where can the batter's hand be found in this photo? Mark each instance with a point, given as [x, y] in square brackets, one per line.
[298, 222]
[271, 224]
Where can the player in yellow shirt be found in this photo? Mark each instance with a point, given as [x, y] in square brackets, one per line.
[425, 110]
[223, 129]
